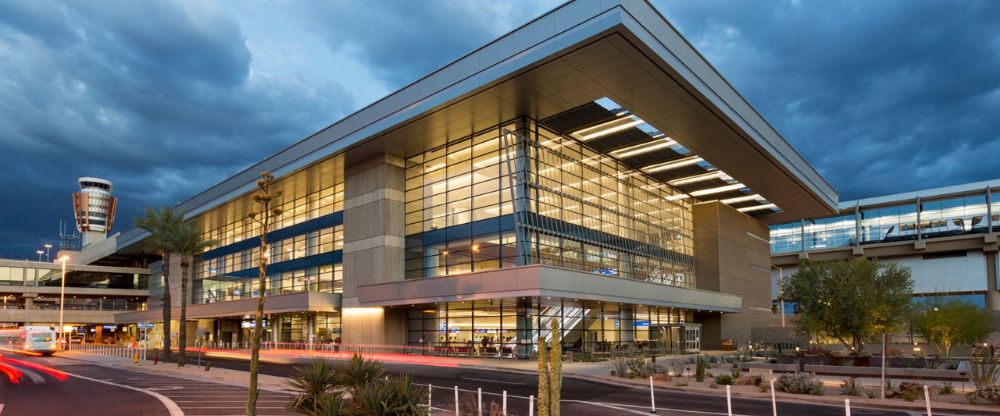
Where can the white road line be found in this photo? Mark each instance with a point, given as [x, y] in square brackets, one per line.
[622, 407]
[493, 381]
[169, 404]
[1, 407]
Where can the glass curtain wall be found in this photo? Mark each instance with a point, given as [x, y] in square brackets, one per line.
[512, 328]
[576, 208]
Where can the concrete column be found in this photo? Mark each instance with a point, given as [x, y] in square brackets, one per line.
[374, 247]
[992, 295]
[732, 255]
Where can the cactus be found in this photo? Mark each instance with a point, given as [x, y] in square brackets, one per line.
[699, 372]
[550, 374]
[555, 370]
[543, 379]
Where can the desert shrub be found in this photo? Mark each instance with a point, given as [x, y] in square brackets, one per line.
[908, 395]
[871, 394]
[724, 379]
[681, 383]
[699, 373]
[986, 394]
[947, 388]
[735, 372]
[850, 387]
[799, 383]
[763, 388]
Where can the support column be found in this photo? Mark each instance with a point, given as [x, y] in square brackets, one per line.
[374, 247]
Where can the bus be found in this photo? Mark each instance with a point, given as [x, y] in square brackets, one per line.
[29, 340]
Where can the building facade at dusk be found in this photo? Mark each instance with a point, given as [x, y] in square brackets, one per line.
[590, 167]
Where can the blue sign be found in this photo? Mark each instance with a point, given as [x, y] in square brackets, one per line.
[642, 324]
[616, 324]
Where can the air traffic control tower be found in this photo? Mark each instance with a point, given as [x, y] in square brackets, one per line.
[94, 209]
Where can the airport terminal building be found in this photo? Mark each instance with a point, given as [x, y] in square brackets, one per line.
[946, 236]
[590, 167]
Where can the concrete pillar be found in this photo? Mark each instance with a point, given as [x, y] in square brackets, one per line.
[374, 247]
[992, 295]
[732, 255]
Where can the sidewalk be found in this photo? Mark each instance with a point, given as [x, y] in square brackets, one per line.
[190, 371]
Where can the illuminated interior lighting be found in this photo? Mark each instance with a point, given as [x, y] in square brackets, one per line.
[607, 128]
[688, 161]
[643, 148]
[757, 208]
[720, 189]
[699, 178]
[742, 199]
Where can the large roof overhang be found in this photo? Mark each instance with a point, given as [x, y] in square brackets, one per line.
[576, 54]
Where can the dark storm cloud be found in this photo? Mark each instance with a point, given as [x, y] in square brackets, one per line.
[159, 99]
[882, 97]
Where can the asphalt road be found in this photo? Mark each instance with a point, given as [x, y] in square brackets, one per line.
[88, 389]
[579, 397]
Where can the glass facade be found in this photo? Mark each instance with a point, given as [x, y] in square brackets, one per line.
[512, 328]
[44, 277]
[938, 217]
[563, 205]
[305, 242]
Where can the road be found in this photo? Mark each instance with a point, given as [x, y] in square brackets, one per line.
[579, 397]
[59, 386]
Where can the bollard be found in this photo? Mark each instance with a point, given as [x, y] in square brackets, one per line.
[135, 358]
[729, 400]
[927, 399]
[847, 407]
[456, 400]
[479, 394]
[504, 402]
[531, 405]
[430, 403]
[774, 402]
[652, 397]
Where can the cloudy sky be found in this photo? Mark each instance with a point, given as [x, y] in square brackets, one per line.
[166, 98]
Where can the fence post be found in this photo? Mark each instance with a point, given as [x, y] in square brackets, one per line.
[729, 400]
[531, 405]
[927, 399]
[456, 400]
[847, 407]
[505, 402]
[430, 403]
[479, 394]
[652, 397]
[774, 402]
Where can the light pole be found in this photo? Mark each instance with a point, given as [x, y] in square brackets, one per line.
[48, 247]
[62, 297]
[39, 252]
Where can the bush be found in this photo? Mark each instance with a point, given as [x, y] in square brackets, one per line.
[799, 383]
[986, 394]
[699, 373]
[908, 395]
[724, 380]
[947, 388]
[681, 383]
[850, 387]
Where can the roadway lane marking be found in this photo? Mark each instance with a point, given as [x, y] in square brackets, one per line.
[492, 381]
[623, 407]
[1, 407]
[172, 407]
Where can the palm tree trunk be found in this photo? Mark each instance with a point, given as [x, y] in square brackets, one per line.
[166, 307]
[182, 326]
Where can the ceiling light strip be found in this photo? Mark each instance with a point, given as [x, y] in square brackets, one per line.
[643, 148]
[673, 164]
[757, 208]
[607, 128]
[743, 199]
[718, 174]
[718, 190]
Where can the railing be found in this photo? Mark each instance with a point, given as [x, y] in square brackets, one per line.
[111, 350]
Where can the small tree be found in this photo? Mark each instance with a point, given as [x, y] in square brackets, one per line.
[851, 301]
[266, 199]
[945, 324]
[162, 227]
[188, 243]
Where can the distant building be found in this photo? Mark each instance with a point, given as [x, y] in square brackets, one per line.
[946, 236]
[94, 209]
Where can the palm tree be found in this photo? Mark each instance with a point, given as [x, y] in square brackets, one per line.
[188, 243]
[162, 226]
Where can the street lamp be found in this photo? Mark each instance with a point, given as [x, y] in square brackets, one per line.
[62, 297]
[47, 248]
[39, 252]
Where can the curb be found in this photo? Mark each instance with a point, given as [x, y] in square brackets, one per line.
[170, 373]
